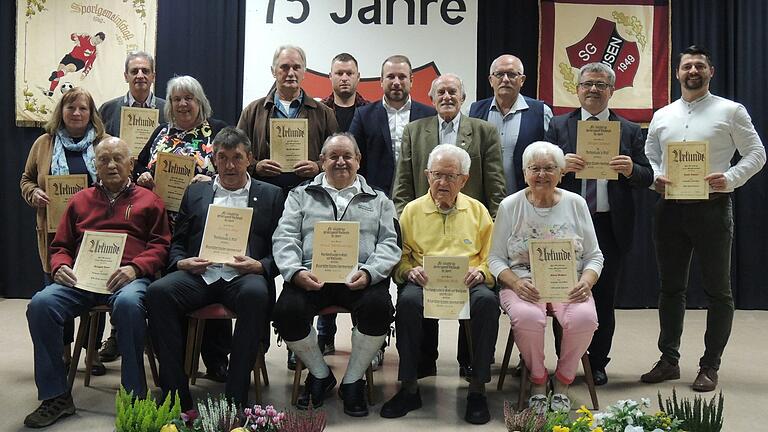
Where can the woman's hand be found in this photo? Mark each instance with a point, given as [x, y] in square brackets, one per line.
[580, 293]
[40, 198]
[525, 290]
[146, 180]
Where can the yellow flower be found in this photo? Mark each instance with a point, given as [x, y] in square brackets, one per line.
[597, 429]
[583, 410]
[561, 429]
[169, 428]
[240, 429]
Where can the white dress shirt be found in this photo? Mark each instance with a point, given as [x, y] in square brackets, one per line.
[397, 118]
[449, 131]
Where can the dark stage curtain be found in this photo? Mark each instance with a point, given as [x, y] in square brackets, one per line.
[205, 39]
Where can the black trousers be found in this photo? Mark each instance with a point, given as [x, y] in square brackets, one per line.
[168, 301]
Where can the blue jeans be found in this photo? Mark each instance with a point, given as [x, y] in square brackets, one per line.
[51, 308]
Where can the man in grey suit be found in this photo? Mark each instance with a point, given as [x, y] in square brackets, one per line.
[610, 202]
[140, 75]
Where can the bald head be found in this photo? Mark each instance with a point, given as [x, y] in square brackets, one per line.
[507, 76]
[113, 163]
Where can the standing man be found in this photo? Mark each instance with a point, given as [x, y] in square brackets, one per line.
[344, 100]
[287, 100]
[611, 204]
[378, 127]
[520, 120]
[140, 76]
[706, 226]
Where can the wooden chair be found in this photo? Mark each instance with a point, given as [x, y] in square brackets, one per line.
[195, 331]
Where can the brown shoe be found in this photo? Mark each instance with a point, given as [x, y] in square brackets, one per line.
[662, 371]
[706, 381]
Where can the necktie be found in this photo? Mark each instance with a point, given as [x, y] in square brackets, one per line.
[590, 192]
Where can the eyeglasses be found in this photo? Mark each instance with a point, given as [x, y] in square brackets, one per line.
[601, 86]
[546, 170]
[443, 176]
[510, 75]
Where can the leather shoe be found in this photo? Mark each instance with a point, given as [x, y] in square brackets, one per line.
[218, 373]
[98, 369]
[599, 377]
[109, 352]
[401, 404]
[426, 371]
[315, 390]
[477, 409]
[706, 381]
[465, 371]
[662, 371]
[353, 395]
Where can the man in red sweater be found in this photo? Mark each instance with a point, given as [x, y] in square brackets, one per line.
[114, 204]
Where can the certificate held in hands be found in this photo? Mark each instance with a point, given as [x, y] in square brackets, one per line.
[687, 165]
[598, 142]
[226, 233]
[288, 140]
[445, 295]
[173, 173]
[60, 189]
[335, 250]
[99, 256]
[136, 126]
[553, 268]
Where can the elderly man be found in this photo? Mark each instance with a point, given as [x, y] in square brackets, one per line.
[446, 222]
[287, 100]
[344, 99]
[378, 127]
[610, 202]
[520, 120]
[140, 76]
[116, 205]
[706, 226]
[337, 194]
[245, 285]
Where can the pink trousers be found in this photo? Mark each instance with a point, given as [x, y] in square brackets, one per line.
[529, 321]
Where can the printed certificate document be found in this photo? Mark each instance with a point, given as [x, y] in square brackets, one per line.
[598, 142]
[335, 250]
[687, 165]
[288, 140]
[60, 189]
[445, 295]
[99, 256]
[173, 173]
[136, 126]
[226, 233]
[553, 267]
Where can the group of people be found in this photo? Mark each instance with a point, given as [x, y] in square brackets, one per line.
[420, 181]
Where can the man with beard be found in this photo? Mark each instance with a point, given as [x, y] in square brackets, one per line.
[344, 99]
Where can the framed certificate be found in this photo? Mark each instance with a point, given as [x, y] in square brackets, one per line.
[288, 140]
[598, 142]
[99, 256]
[136, 126]
[335, 250]
[173, 173]
[60, 189]
[226, 233]
[445, 295]
[553, 268]
[687, 165]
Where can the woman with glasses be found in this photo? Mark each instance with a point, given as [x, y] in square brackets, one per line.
[544, 211]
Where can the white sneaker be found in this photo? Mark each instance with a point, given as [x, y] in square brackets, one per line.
[538, 404]
[560, 403]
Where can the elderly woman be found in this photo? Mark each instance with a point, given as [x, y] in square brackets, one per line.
[543, 211]
[189, 131]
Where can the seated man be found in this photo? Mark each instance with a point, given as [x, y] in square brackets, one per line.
[338, 193]
[448, 223]
[113, 204]
[245, 286]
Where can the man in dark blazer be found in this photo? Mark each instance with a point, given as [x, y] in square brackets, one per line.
[610, 201]
[378, 127]
[519, 119]
[245, 285]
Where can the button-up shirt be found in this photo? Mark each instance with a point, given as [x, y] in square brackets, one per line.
[602, 185]
[397, 118]
[449, 131]
[293, 106]
[341, 197]
[149, 103]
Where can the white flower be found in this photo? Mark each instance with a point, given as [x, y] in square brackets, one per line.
[646, 402]
[631, 428]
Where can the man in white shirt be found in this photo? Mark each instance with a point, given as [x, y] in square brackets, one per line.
[706, 226]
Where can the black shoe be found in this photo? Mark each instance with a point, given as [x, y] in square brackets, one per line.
[291, 360]
[426, 371]
[465, 371]
[54, 75]
[109, 351]
[477, 409]
[218, 373]
[599, 377]
[315, 390]
[326, 344]
[353, 395]
[401, 404]
[50, 411]
[98, 369]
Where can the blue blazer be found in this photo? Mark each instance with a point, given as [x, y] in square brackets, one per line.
[370, 126]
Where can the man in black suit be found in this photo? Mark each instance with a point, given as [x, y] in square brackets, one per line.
[245, 285]
[610, 202]
[378, 126]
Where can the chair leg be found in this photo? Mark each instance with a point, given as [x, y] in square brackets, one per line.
[505, 361]
[369, 385]
[91, 351]
[260, 364]
[79, 340]
[296, 381]
[149, 350]
[264, 373]
[199, 330]
[590, 381]
[524, 384]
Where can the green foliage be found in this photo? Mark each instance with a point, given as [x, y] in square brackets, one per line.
[700, 415]
[143, 415]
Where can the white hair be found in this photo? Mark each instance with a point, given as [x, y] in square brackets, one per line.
[543, 149]
[433, 87]
[461, 156]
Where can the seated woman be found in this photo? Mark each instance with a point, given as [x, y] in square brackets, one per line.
[544, 211]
